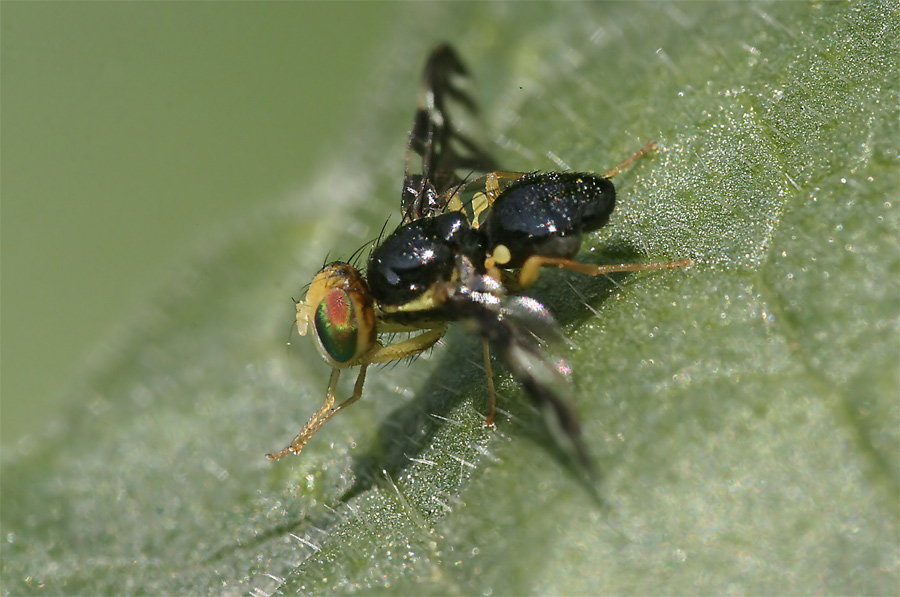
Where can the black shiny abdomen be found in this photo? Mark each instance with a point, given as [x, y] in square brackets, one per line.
[546, 213]
[418, 255]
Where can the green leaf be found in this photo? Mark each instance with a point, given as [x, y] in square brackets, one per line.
[743, 413]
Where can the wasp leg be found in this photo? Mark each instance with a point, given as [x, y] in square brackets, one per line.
[530, 271]
[645, 149]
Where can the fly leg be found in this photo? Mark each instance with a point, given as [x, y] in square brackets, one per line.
[325, 413]
[379, 354]
[645, 149]
[530, 271]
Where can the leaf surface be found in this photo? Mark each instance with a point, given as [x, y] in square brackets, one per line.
[743, 413]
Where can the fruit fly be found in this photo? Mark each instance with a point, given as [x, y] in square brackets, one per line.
[455, 260]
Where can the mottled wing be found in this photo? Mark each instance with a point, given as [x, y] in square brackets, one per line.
[445, 153]
[519, 330]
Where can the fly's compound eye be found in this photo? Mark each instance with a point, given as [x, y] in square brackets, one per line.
[337, 322]
[339, 307]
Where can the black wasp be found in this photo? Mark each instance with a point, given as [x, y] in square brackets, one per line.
[456, 260]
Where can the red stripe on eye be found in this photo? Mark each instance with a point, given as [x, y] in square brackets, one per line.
[337, 325]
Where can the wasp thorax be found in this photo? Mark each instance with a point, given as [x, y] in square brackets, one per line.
[339, 307]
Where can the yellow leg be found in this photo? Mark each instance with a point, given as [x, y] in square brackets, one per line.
[406, 348]
[379, 354]
[316, 421]
[528, 275]
[645, 149]
[325, 413]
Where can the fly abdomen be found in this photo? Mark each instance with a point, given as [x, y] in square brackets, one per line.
[546, 213]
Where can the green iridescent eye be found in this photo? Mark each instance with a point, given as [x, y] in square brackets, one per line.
[337, 326]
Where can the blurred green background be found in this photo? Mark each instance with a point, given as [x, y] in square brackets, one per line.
[130, 133]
